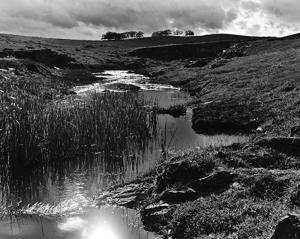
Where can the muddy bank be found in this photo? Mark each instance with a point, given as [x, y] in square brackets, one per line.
[228, 116]
[174, 52]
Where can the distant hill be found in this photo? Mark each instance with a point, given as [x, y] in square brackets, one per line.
[294, 36]
[170, 40]
[129, 43]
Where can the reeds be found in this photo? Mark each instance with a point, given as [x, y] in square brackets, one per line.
[37, 135]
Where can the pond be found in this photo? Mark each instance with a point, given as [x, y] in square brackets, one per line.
[55, 199]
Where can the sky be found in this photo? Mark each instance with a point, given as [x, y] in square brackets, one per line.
[89, 19]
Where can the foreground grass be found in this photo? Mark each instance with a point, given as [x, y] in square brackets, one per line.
[229, 215]
[263, 191]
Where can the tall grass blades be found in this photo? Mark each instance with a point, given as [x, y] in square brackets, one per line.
[57, 137]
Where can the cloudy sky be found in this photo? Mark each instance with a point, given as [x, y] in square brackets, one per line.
[88, 19]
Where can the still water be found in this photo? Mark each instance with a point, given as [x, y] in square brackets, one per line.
[179, 132]
[60, 203]
[103, 223]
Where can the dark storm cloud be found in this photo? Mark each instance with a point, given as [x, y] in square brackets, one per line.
[119, 14]
[284, 10]
[87, 18]
[152, 14]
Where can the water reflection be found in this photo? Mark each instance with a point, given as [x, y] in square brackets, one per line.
[106, 223]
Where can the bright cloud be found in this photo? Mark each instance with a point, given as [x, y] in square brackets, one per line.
[88, 19]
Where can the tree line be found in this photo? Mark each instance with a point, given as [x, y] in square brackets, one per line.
[169, 32]
[123, 35]
[140, 34]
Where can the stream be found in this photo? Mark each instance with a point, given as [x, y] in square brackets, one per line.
[66, 207]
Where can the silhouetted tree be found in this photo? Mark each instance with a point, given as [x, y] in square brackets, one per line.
[162, 33]
[130, 34]
[113, 36]
[189, 33]
[178, 32]
[139, 34]
[121, 36]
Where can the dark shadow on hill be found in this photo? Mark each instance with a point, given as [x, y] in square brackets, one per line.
[183, 51]
[45, 56]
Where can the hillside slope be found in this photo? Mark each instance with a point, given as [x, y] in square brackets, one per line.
[266, 76]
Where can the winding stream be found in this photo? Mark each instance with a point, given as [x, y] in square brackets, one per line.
[65, 207]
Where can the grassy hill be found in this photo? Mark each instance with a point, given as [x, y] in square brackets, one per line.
[265, 70]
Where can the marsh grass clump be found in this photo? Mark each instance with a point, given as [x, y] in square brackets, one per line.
[36, 135]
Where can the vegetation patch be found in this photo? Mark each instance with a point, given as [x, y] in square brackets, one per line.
[227, 216]
[178, 173]
[254, 156]
[36, 134]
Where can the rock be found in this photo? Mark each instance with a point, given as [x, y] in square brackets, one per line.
[214, 183]
[128, 201]
[128, 196]
[288, 228]
[259, 130]
[288, 145]
[182, 172]
[157, 215]
[175, 111]
[177, 196]
[152, 208]
[295, 131]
